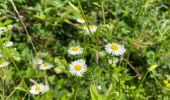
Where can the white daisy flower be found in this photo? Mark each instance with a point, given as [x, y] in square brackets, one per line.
[45, 66]
[4, 64]
[78, 67]
[81, 20]
[37, 61]
[2, 30]
[75, 50]
[92, 28]
[115, 49]
[38, 88]
[8, 43]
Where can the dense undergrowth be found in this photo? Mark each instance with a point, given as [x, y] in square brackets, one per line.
[125, 51]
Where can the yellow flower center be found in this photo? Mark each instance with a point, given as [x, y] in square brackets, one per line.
[77, 67]
[75, 48]
[91, 26]
[114, 47]
[46, 65]
[37, 88]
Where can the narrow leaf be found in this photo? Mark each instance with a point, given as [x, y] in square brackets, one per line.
[21, 89]
[74, 8]
[151, 68]
[94, 94]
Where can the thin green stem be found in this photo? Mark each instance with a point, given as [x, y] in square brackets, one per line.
[140, 84]
[94, 81]
[103, 14]
[86, 22]
[84, 17]
[19, 72]
[11, 94]
[22, 22]
[3, 96]
[76, 88]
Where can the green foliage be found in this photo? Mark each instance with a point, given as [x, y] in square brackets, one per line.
[142, 26]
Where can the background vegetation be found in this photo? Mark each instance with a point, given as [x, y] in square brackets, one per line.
[143, 26]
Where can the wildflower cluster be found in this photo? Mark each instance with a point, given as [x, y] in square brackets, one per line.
[90, 29]
[79, 67]
[42, 65]
[40, 88]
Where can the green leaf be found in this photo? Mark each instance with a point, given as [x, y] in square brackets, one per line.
[94, 94]
[26, 54]
[151, 68]
[21, 89]
[111, 96]
[74, 8]
[7, 22]
[29, 72]
[52, 79]
[128, 78]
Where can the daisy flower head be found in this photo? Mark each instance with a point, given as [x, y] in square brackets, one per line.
[37, 61]
[115, 49]
[92, 28]
[78, 67]
[75, 50]
[8, 43]
[81, 20]
[4, 64]
[38, 88]
[45, 66]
